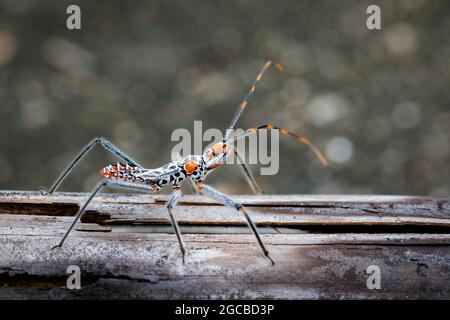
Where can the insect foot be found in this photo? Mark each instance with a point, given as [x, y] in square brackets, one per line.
[44, 191]
[54, 247]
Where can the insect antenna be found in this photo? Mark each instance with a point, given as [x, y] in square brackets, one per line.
[283, 131]
[249, 96]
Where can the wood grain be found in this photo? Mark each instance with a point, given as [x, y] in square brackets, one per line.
[319, 263]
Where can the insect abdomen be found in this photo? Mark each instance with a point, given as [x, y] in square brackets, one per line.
[121, 171]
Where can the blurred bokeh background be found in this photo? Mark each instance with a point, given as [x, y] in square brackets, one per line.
[376, 102]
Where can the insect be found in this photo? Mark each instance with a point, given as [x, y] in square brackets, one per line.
[131, 175]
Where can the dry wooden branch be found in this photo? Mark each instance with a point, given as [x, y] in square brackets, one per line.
[323, 251]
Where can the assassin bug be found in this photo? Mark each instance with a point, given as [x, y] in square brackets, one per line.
[132, 176]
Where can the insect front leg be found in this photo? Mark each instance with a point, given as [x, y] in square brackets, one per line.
[176, 195]
[224, 199]
[248, 174]
[84, 151]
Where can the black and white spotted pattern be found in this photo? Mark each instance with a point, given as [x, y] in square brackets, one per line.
[173, 173]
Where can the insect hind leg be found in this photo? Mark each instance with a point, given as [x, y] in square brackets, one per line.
[83, 152]
[95, 191]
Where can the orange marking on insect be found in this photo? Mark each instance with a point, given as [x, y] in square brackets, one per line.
[320, 156]
[190, 166]
[279, 66]
[254, 129]
[304, 140]
[200, 186]
[244, 104]
[108, 172]
[270, 126]
[284, 131]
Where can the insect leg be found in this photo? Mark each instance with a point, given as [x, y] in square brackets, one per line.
[176, 195]
[248, 174]
[86, 149]
[252, 181]
[224, 199]
[103, 183]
